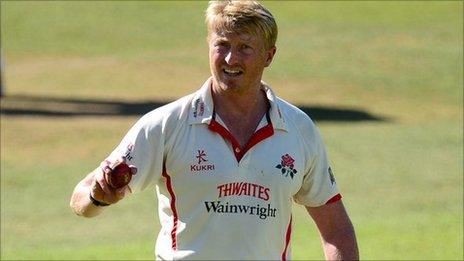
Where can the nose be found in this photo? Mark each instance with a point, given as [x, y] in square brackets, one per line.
[231, 57]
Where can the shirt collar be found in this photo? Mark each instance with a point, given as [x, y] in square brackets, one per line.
[275, 112]
[201, 108]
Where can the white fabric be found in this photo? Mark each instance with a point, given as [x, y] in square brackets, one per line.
[225, 209]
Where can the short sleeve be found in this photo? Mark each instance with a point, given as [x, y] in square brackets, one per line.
[318, 186]
[143, 147]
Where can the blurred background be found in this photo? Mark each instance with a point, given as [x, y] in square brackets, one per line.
[383, 81]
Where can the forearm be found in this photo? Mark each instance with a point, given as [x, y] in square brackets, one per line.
[80, 200]
[336, 230]
[342, 245]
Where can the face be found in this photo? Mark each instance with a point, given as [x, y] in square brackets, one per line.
[237, 61]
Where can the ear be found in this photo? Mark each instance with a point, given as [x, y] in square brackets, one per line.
[270, 55]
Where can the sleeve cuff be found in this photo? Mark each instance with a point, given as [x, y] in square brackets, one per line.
[334, 199]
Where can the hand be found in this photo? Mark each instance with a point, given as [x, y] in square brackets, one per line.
[101, 190]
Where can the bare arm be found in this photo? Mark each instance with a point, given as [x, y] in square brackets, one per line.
[337, 233]
[95, 184]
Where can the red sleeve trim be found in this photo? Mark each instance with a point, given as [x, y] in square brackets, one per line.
[288, 236]
[334, 199]
[173, 207]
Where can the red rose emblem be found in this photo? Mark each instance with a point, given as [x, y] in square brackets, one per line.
[287, 161]
[286, 166]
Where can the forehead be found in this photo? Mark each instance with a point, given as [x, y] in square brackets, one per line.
[240, 37]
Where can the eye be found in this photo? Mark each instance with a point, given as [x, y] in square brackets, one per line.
[246, 49]
[220, 44]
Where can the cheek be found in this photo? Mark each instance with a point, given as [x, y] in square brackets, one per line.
[211, 54]
[214, 63]
[259, 62]
[252, 64]
[215, 58]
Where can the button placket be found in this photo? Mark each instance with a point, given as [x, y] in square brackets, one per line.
[245, 159]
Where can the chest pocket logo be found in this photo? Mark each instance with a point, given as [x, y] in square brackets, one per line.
[287, 166]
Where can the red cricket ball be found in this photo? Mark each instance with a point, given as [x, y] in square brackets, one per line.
[120, 176]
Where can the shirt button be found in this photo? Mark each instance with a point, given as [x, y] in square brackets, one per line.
[237, 150]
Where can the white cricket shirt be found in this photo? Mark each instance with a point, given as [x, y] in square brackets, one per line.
[217, 200]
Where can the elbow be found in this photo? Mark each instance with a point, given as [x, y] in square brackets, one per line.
[85, 214]
[342, 245]
[76, 210]
[81, 211]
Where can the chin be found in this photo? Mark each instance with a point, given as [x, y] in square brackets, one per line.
[231, 87]
[228, 85]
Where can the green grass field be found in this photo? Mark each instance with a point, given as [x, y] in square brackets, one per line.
[402, 179]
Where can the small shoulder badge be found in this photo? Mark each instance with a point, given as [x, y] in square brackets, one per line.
[332, 177]
[198, 108]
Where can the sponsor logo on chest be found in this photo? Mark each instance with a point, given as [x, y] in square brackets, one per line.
[202, 162]
[240, 190]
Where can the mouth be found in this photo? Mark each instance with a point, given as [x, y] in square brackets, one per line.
[232, 73]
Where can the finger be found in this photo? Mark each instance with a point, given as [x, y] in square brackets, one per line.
[105, 163]
[100, 178]
[93, 187]
[107, 169]
[96, 191]
[116, 162]
[122, 192]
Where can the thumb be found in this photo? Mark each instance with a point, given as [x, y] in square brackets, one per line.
[133, 169]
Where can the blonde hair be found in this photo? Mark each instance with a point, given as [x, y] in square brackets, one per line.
[241, 17]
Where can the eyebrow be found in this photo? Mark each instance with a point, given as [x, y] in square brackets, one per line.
[224, 38]
[218, 39]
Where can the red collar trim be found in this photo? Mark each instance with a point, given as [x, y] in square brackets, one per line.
[260, 135]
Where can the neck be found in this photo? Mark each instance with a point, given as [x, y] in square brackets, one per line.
[239, 104]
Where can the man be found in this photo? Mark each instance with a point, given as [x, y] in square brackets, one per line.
[227, 160]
